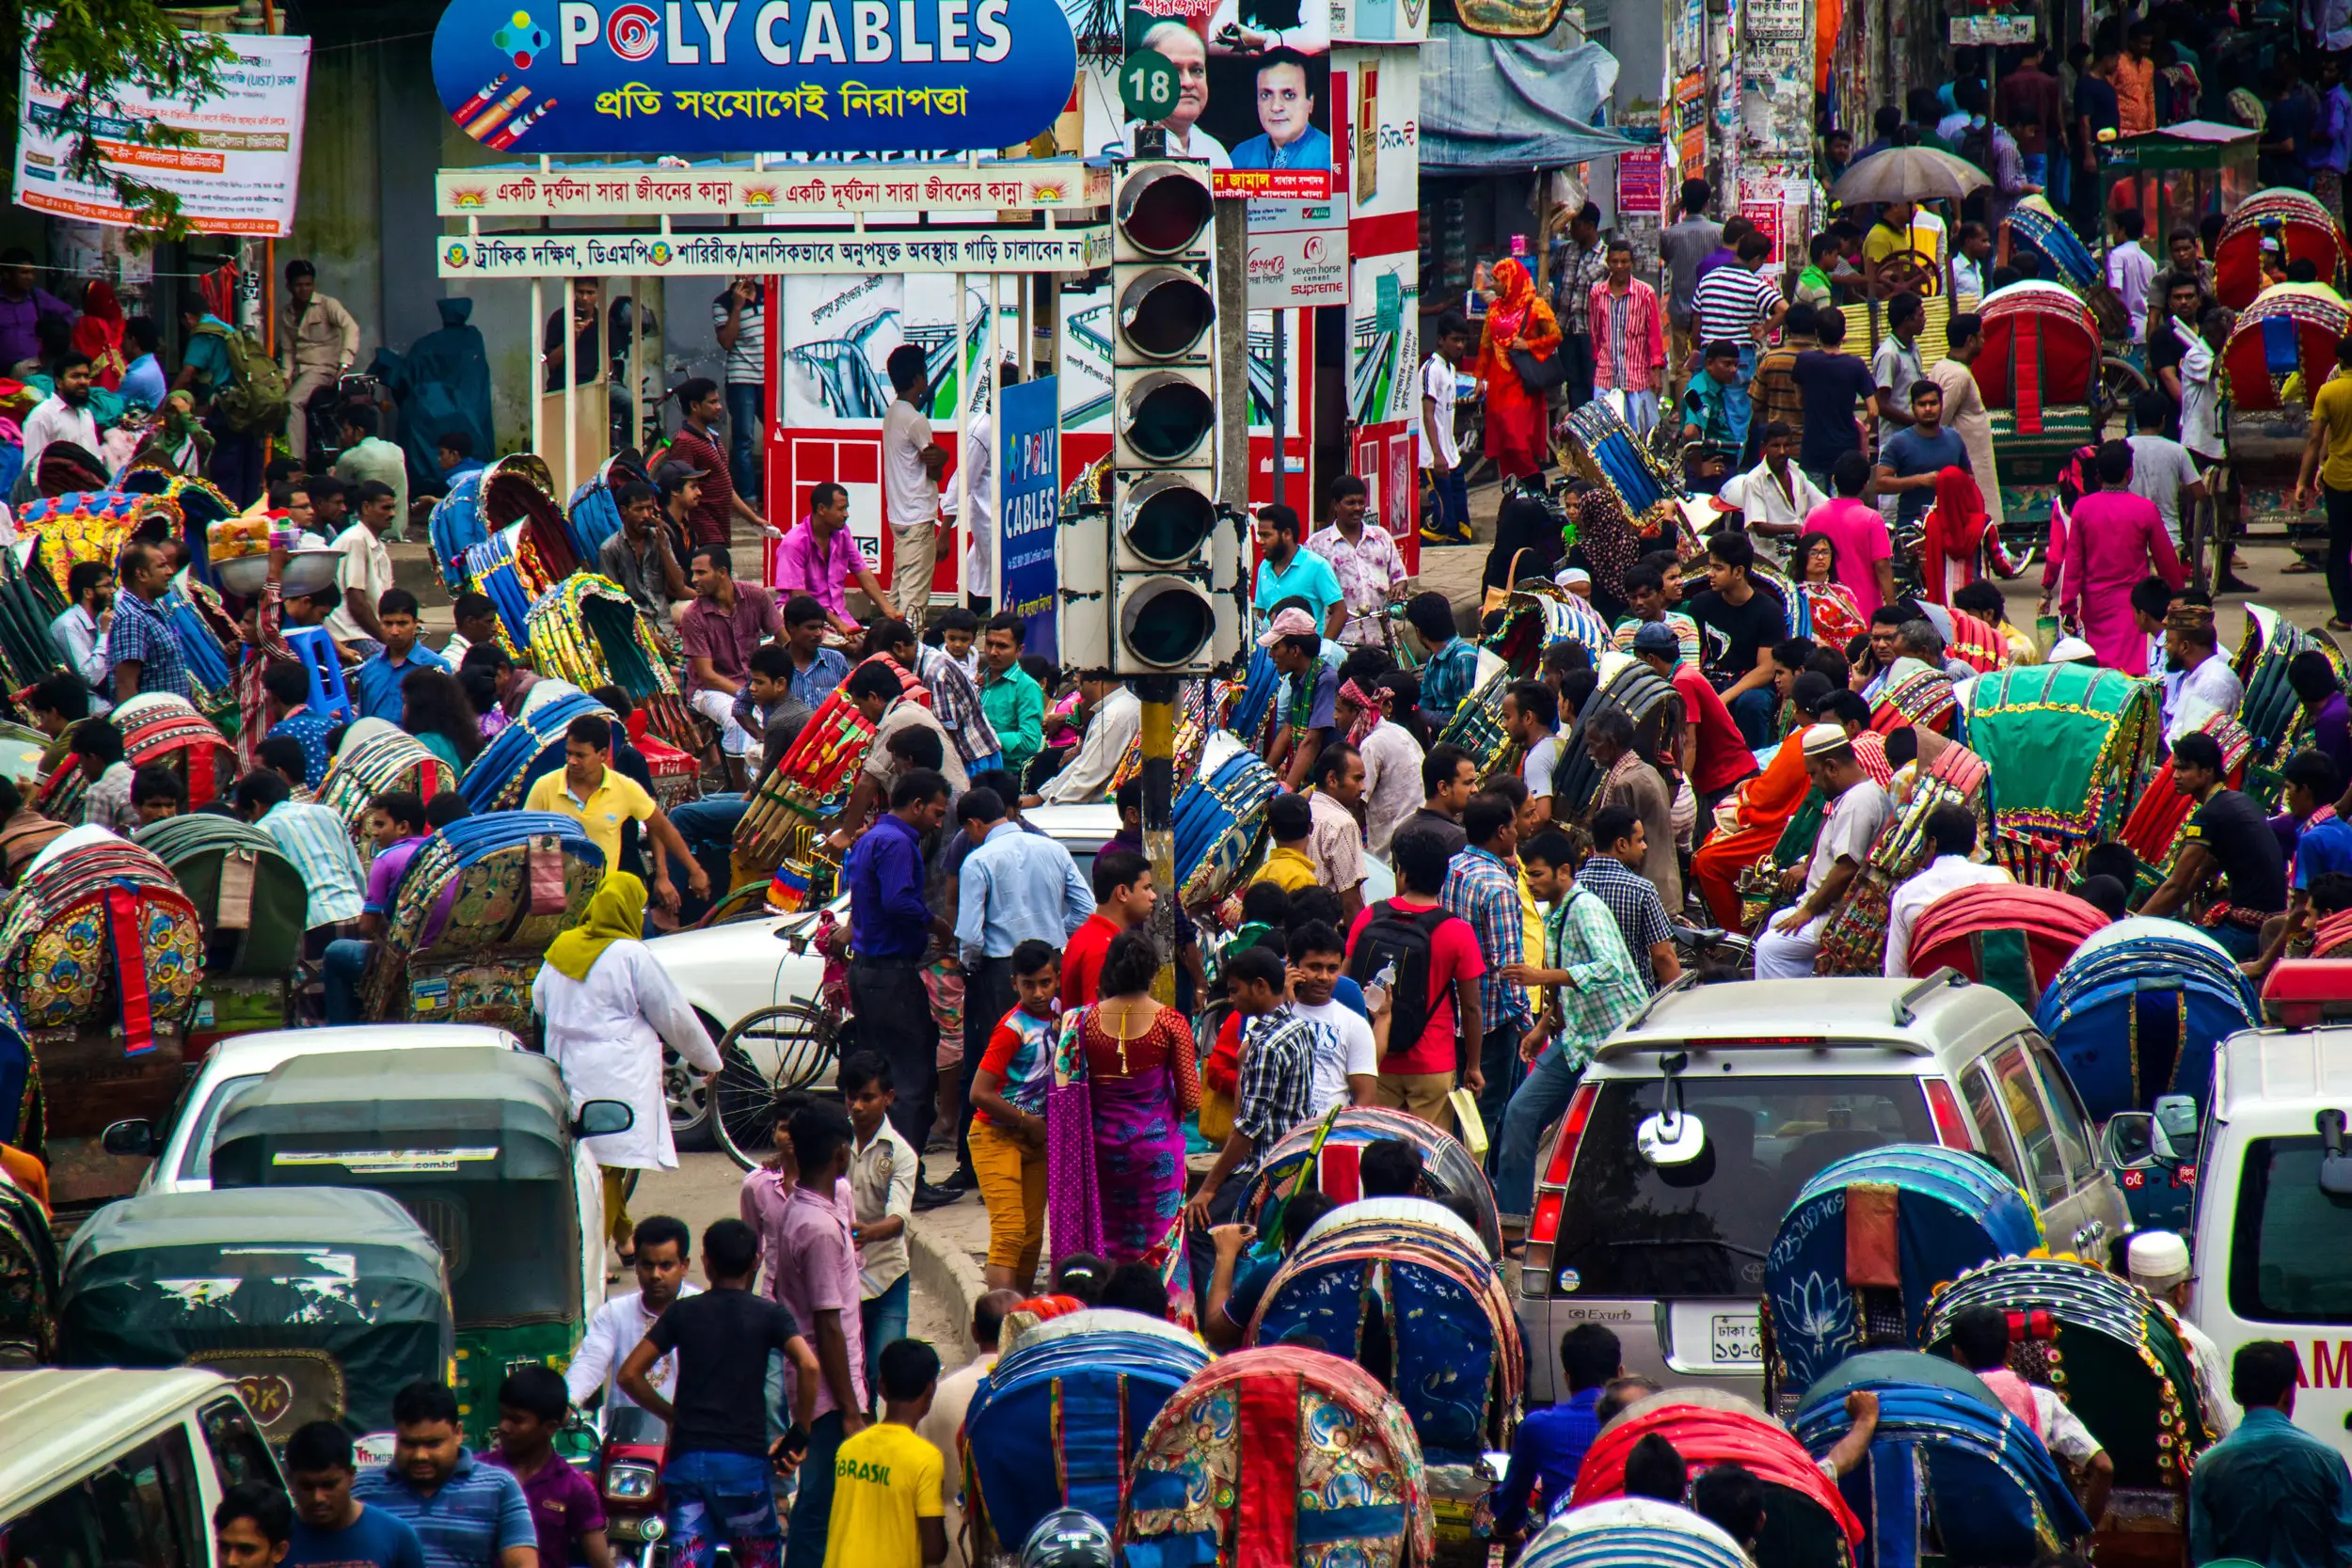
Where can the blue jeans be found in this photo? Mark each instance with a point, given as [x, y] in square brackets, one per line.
[719, 1499]
[1450, 495]
[1752, 710]
[812, 1506]
[1551, 1084]
[2036, 167]
[744, 429]
[344, 965]
[883, 1319]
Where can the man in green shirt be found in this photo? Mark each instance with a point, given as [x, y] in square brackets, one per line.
[1014, 703]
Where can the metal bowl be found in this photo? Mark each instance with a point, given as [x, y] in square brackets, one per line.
[306, 572]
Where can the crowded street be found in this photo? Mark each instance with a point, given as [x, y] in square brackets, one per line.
[849, 787]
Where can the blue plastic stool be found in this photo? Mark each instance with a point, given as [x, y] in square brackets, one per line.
[316, 648]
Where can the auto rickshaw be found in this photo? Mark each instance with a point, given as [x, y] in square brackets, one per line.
[2116, 1355]
[319, 1303]
[2281, 350]
[481, 1146]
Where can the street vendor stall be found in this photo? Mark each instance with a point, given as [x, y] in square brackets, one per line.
[2177, 174]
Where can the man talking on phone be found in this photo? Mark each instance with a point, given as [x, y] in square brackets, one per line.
[717, 1474]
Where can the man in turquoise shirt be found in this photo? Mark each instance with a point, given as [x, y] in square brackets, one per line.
[2270, 1493]
[1285, 571]
[1014, 703]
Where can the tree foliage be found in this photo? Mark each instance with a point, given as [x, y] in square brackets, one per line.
[95, 51]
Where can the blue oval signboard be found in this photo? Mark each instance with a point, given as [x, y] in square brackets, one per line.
[701, 76]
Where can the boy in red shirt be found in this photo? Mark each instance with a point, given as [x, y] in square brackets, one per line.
[1424, 1063]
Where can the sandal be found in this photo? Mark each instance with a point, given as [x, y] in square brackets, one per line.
[2335, 624]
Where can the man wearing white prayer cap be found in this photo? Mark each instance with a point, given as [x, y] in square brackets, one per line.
[1858, 808]
[2072, 650]
[2158, 1261]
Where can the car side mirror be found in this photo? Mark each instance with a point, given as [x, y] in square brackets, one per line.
[2174, 1134]
[133, 1139]
[600, 1118]
[2128, 1140]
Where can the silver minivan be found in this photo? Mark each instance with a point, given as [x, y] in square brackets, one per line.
[1666, 1247]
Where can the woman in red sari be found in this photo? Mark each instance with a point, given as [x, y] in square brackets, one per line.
[98, 333]
[1519, 436]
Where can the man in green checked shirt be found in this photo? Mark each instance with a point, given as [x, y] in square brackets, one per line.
[1593, 987]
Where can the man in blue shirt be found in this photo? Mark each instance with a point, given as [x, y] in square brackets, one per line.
[2270, 1491]
[1286, 102]
[375, 684]
[332, 1528]
[1452, 672]
[465, 1513]
[1285, 571]
[890, 932]
[1549, 1448]
[292, 716]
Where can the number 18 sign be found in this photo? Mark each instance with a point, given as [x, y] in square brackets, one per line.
[1147, 86]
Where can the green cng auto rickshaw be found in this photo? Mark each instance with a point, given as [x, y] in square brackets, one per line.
[481, 1146]
[319, 1303]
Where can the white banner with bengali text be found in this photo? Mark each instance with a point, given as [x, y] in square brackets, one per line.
[1016, 185]
[747, 253]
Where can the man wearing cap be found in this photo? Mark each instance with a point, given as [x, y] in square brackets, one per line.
[2198, 681]
[1857, 810]
[1297, 648]
[681, 484]
[2158, 1261]
[2072, 650]
[1714, 755]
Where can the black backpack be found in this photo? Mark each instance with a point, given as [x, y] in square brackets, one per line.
[1404, 937]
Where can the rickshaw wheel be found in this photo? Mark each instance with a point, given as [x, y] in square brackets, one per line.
[799, 1042]
[2121, 381]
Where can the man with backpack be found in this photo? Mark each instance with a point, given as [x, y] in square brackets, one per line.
[241, 392]
[1433, 988]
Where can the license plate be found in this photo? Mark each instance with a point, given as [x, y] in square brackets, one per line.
[1737, 1340]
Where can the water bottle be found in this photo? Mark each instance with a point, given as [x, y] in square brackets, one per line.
[1376, 993]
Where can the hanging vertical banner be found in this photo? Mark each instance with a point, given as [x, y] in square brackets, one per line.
[1642, 182]
[1028, 455]
[237, 172]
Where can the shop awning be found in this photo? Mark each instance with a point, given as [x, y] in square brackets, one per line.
[1490, 106]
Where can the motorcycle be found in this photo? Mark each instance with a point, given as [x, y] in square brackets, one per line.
[628, 1478]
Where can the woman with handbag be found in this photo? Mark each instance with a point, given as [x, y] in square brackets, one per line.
[1519, 361]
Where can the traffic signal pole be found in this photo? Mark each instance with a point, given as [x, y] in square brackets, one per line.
[1158, 695]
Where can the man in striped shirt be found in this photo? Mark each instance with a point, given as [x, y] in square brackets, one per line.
[1737, 304]
[465, 1513]
[740, 317]
[314, 838]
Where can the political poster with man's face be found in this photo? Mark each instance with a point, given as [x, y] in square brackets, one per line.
[1253, 81]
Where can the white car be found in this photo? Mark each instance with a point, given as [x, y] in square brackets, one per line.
[733, 971]
[183, 1146]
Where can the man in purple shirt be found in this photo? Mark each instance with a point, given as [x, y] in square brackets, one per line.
[396, 821]
[2314, 682]
[819, 558]
[891, 926]
[717, 633]
[815, 1280]
[22, 305]
[565, 1507]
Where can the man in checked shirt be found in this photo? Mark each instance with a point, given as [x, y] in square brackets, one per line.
[1583, 263]
[1482, 887]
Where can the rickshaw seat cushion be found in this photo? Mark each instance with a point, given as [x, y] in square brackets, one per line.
[2280, 350]
[2026, 374]
[1873, 1254]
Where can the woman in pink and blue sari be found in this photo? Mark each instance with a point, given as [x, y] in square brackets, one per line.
[1124, 1079]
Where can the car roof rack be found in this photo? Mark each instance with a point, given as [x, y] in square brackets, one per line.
[1906, 1013]
[1681, 982]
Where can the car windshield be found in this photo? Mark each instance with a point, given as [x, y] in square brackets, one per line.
[196, 1158]
[2291, 1247]
[1632, 1228]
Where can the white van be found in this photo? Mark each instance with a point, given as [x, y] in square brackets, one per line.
[2273, 1244]
[113, 1466]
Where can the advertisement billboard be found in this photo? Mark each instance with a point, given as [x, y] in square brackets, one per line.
[622, 77]
[1254, 91]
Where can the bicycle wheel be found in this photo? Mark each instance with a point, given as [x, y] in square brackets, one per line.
[786, 1047]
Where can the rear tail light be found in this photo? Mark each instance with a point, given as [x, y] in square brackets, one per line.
[1951, 1128]
[1552, 1194]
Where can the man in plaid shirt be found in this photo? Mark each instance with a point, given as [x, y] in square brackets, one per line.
[1452, 673]
[1483, 888]
[1584, 263]
[1276, 1088]
[142, 646]
[1592, 987]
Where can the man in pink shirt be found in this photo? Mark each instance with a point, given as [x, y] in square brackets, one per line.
[2113, 540]
[819, 558]
[1858, 530]
[815, 1275]
[1629, 340]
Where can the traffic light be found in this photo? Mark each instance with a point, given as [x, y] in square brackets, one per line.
[1163, 618]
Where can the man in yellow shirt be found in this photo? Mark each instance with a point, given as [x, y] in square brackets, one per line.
[1290, 865]
[886, 1508]
[587, 790]
[2331, 440]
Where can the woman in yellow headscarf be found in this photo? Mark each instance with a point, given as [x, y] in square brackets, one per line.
[1518, 435]
[607, 1006]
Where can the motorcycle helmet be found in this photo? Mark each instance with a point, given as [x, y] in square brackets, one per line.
[1068, 1538]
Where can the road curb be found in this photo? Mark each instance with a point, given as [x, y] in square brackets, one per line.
[944, 1271]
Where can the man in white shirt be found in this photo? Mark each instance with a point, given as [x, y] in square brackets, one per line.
[1346, 1063]
[1951, 838]
[2198, 681]
[1117, 719]
[367, 455]
[980, 462]
[1392, 758]
[614, 1329]
[1189, 53]
[2131, 271]
[2162, 469]
[1440, 449]
[2158, 1261]
[1774, 497]
[81, 630]
[1858, 809]
[2201, 390]
[912, 464]
[64, 415]
[1530, 716]
[365, 572]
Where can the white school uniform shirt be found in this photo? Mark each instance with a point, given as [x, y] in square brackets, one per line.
[1439, 383]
